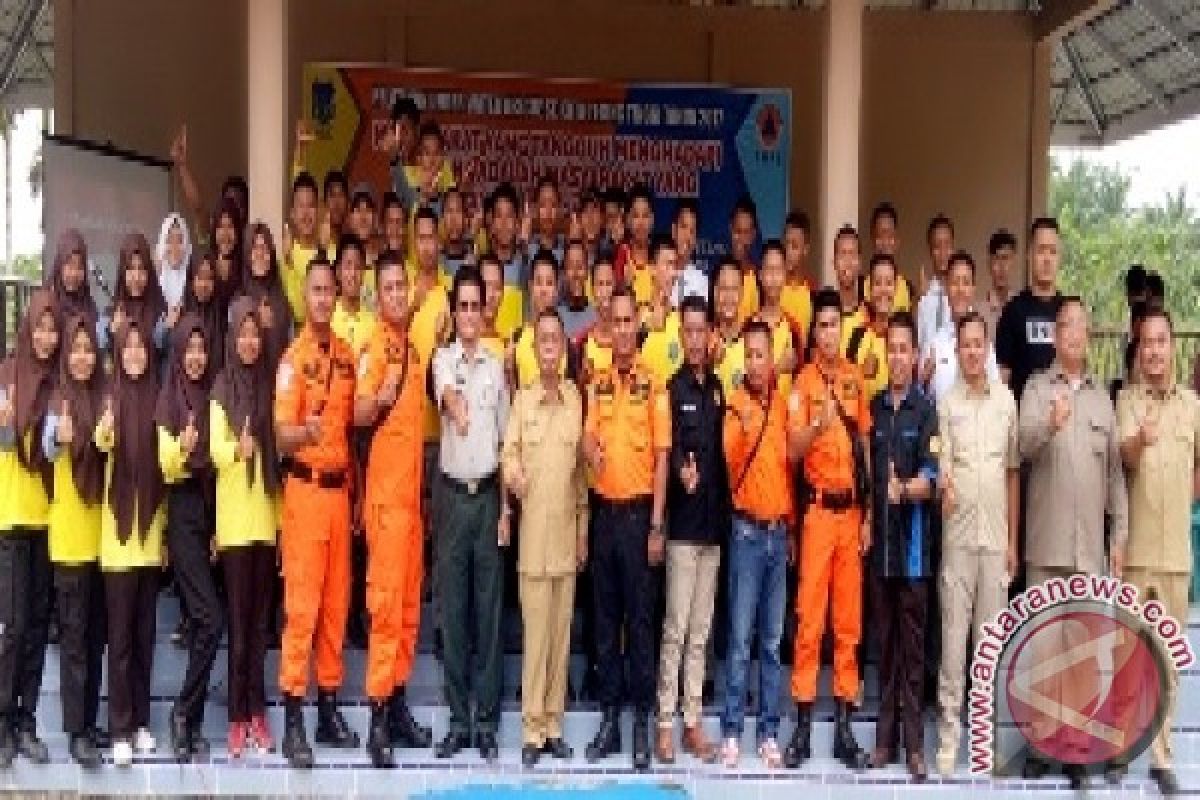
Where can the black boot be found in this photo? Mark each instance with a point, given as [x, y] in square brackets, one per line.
[181, 737]
[8, 743]
[379, 740]
[402, 726]
[83, 751]
[28, 743]
[332, 729]
[295, 744]
[799, 748]
[845, 746]
[641, 741]
[608, 738]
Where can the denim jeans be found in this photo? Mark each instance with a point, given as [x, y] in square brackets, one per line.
[757, 596]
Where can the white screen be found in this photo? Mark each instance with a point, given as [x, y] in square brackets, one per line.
[104, 195]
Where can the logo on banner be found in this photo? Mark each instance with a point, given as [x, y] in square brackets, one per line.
[770, 126]
[324, 107]
[1075, 670]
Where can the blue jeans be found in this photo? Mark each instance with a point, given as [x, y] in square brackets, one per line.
[757, 595]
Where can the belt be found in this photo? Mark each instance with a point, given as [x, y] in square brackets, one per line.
[834, 499]
[471, 487]
[627, 502]
[323, 480]
[759, 522]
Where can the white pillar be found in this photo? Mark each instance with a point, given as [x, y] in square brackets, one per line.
[842, 120]
[266, 122]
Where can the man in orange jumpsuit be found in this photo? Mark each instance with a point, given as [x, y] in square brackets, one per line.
[832, 421]
[390, 398]
[314, 395]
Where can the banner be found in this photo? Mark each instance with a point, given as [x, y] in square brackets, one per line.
[711, 143]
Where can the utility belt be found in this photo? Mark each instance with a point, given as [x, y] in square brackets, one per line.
[332, 479]
[832, 499]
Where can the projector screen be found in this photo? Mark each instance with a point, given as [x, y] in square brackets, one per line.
[104, 192]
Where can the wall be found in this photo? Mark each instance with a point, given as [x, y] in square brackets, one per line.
[949, 123]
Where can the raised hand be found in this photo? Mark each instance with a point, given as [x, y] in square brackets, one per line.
[189, 435]
[66, 427]
[1060, 409]
[689, 474]
[246, 441]
[179, 147]
[870, 366]
[108, 420]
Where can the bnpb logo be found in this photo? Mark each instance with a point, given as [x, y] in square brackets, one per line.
[769, 122]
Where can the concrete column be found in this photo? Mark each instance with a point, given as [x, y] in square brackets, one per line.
[842, 121]
[267, 153]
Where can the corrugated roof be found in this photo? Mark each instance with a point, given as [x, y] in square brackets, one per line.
[26, 54]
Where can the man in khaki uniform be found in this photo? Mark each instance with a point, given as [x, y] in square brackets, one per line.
[544, 467]
[978, 468]
[1068, 434]
[1159, 425]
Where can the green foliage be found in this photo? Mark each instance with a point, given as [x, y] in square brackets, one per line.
[1102, 236]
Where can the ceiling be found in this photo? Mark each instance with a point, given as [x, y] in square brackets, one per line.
[1126, 70]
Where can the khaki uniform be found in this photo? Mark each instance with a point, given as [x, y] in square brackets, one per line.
[977, 435]
[1158, 554]
[543, 438]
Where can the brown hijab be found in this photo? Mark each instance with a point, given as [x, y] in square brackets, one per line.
[144, 311]
[71, 303]
[137, 481]
[182, 397]
[226, 289]
[246, 392]
[29, 382]
[211, 312]
[268, 289]
[83, 399]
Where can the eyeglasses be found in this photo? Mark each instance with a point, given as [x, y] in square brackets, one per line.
[469, 305]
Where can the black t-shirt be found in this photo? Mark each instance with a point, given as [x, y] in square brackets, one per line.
[1025, 337]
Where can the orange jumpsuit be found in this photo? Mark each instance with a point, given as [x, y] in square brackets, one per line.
[392, 509]
[830, 543]
[315, 544]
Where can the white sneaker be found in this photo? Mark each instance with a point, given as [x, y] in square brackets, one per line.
[729, 753]
[143, 741]
[122, 753]
[945, 759]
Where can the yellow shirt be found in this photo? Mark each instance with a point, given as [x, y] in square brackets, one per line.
[597, 357]
[246, 513]
[171, 459]
[293, 270]
[642, 283]
[353, 327]
[426, 332]
[871, 355]
[796, 302]
[511, 314]
[136, 552]
[731, 367]
[781, 343]
[494, 345]
[749, 305]
[527, 362]
[23, 500]
[74, 525]
[901, 299]
[662, 351]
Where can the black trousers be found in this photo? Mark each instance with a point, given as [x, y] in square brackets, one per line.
[25, 586]
[130, 597]
[249, 571]
[79, 591]
[190, 524]
[898, 610]
[624, 599]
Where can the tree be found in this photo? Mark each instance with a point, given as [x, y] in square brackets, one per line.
[1102, 235]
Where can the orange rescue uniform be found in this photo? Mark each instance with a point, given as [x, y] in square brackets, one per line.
[315, 379]
[392, 509]
[630, 414]
[830, 543]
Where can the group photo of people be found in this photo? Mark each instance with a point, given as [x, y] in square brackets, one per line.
[433, 397]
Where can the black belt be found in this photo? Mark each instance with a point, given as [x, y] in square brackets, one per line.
[834, 499]
[323, 480]
[759, 522]
[471, 487]
[627, 502]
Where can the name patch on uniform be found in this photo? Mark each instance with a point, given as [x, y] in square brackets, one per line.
[935, 445]
[284, 379]
[688, 407]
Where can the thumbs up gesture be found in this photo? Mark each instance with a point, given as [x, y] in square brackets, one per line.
[6, 406]
[517, 482]
[313, 425]
[117, 324]
[66, 428]
[388, 391]
[893, 486]
[245, 441]
[108, 419]
[265, 315]
[1060, 410]
[575, 228]
[189, 435]
[689, 474]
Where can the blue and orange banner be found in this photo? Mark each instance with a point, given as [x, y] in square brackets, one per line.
[710, 143]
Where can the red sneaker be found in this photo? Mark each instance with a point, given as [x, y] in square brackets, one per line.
[237, 739]
[260, 733]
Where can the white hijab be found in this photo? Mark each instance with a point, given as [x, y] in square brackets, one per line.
[173, 277]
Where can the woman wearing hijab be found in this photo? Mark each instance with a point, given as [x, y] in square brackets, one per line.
[242, 444]
[75, 536]
[26, 384]
[182, 418]
[173, 254]
[263, 284]
[201, 299]
[69, 278]
[131, 538]
[225, 242]
[138, 299]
